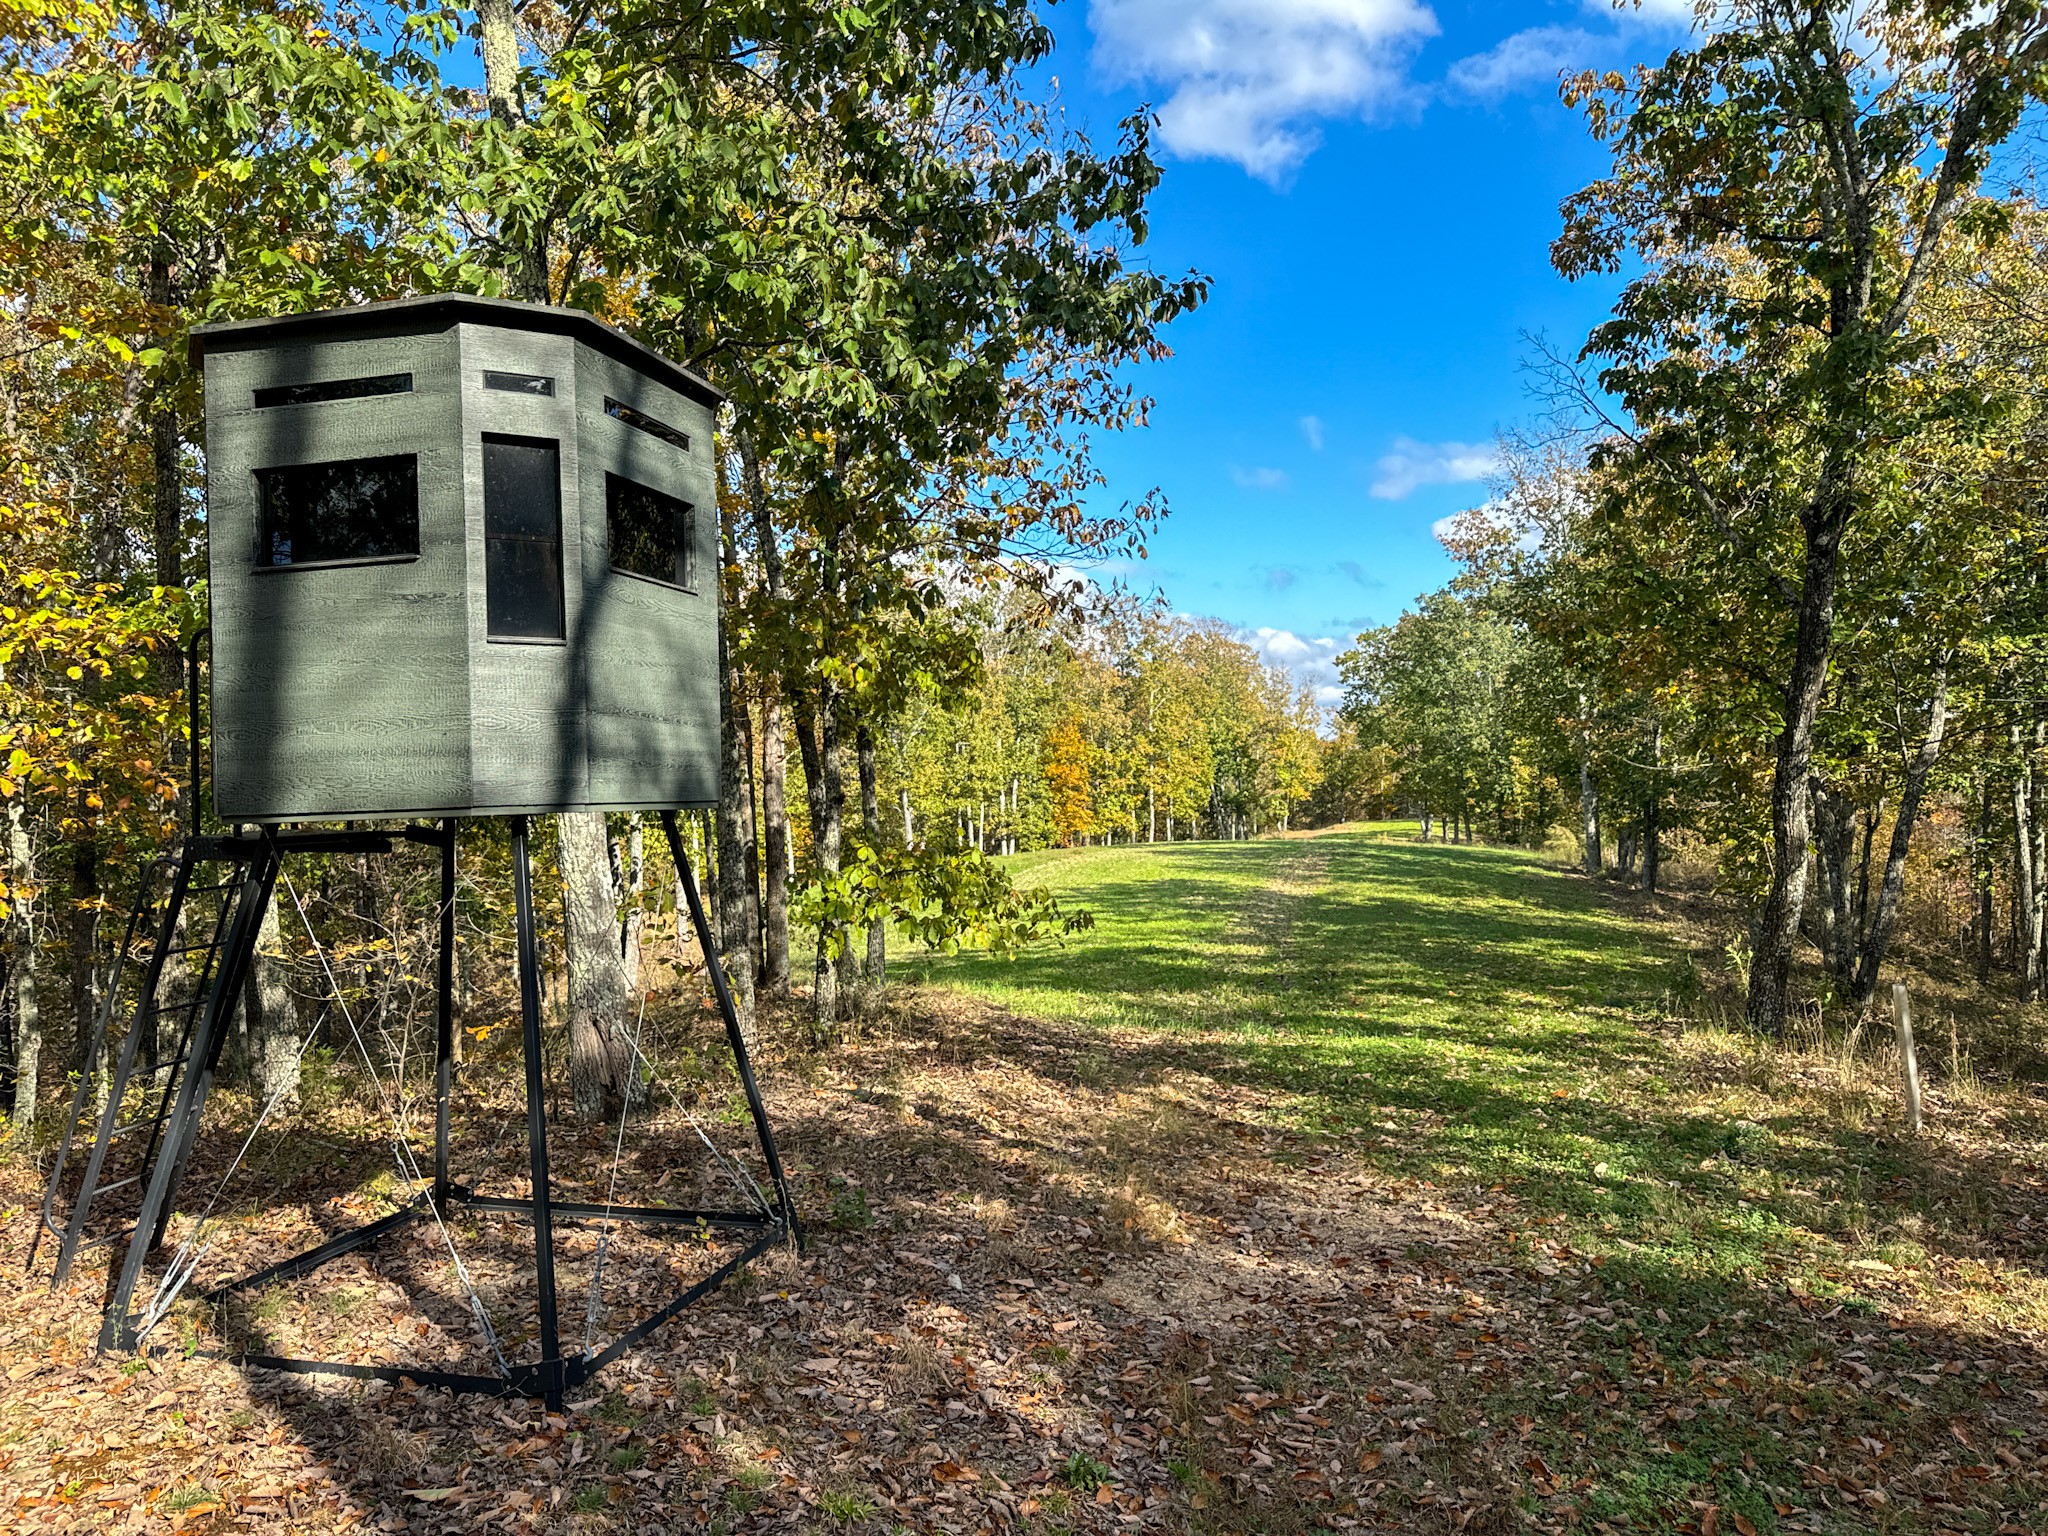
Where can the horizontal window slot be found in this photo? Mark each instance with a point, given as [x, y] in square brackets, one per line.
[519, 383]
[646, 423]
[335, 389]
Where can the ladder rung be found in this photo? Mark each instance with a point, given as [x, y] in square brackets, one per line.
[108, 1189]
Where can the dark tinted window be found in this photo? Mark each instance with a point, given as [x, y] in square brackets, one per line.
[350, 509]
[335, 389]
[648, 424]
[523, 537]
[649, 533]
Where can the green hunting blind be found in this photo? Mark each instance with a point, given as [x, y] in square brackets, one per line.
[462, 563]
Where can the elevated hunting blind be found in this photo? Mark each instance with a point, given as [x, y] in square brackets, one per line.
[462, 563]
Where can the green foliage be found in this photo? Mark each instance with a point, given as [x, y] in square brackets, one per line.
[850, 1211]
[1083, 1472]
[845, 1506]
[945, 898]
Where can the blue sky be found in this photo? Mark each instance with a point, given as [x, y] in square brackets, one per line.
[1373, 185]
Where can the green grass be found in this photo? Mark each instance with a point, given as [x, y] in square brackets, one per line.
[1482, 1019]
[1475, 1012]
[1476, 1015]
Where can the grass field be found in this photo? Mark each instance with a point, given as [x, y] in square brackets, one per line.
[1483, 1021]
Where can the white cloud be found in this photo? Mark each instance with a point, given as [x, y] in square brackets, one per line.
[1497, 515]
[1245, 76]
[1312, 430]
[1531, 57]
[1648, 13]
[1411, 465]
[1260, 479]
[1313, 661]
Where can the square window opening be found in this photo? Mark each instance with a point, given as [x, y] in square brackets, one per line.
[650, 533]
[343, 510]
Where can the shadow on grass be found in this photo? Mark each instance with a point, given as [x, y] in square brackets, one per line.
[1477, 1017]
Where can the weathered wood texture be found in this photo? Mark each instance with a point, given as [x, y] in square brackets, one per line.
[375, 689]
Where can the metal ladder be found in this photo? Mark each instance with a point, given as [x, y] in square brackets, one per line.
[146, 1126]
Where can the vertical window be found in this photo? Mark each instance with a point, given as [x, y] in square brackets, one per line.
[523, 537]
[649, 533]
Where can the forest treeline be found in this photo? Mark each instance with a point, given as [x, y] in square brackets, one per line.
[1772, 574]
[1779, 589]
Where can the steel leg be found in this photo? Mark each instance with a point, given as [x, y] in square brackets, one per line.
[786, 1208]
[536, 1123]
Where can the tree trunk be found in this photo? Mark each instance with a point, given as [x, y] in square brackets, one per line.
[600, 1053]
[1878, 936]
[2036, 852]
[629, 880]
[498, 31]
[1652, 852]
[167, 500]
[1830, 916]
[1589, 812]
[21, 970]
[85, 931]
[750, 836]
[774, 765]
[1860, 909]
[272, 1021]
[2027, 895]
[735, 930]
[1777, 924]
[903, 801]
[828, 806]
[775, 884]
[1982, 891]
[871, 823]
[1653, 815]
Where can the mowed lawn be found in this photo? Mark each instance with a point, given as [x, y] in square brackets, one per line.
[1765, 1306]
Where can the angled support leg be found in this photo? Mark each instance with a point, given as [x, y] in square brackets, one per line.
[117, 1329]
[785, 1207]
[545, 1379]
